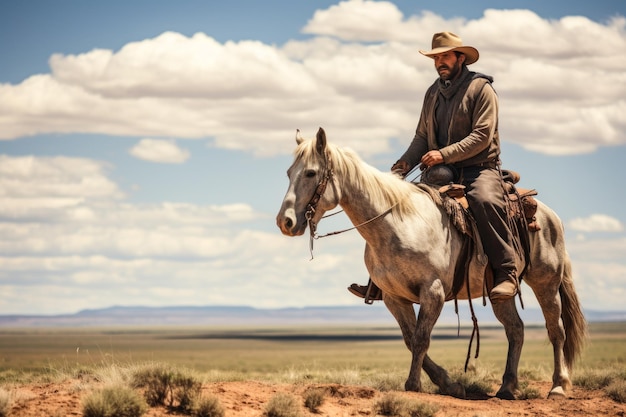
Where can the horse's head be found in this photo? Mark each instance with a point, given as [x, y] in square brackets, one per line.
[311, 190]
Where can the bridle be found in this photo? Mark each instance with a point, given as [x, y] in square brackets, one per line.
[317, 195]
[311, 207]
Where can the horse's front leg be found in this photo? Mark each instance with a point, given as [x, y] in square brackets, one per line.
[506, 313]
[417, 333]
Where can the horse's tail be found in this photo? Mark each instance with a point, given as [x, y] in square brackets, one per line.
[573, 319]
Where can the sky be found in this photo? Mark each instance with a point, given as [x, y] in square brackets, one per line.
[144, 145]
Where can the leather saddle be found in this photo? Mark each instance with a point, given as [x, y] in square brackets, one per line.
[522, 208]
[521, 201]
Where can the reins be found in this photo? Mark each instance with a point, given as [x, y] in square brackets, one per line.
[312, 206]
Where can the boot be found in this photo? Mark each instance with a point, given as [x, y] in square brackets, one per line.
[370, 292]
[503, 290]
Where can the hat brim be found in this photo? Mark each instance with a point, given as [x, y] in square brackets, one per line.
[471, 53]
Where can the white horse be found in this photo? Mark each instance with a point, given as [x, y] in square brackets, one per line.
[411, 252]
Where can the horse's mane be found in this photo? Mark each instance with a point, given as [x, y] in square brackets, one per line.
[384, 189]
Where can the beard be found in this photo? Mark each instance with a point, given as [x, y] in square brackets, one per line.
[449, 73]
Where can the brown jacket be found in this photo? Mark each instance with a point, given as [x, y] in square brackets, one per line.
[473, 132]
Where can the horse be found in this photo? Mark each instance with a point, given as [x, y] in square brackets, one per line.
[411, 252]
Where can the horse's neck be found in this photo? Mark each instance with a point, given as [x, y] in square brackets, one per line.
[374, 220]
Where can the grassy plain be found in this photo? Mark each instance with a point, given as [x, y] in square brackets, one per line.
[324, 354]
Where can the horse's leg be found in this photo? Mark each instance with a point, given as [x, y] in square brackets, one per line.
[417, 338]
[405, 316]
[440, 377]
[550, 303]
[506, 313]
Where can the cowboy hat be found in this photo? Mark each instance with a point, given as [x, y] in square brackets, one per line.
[448, 41]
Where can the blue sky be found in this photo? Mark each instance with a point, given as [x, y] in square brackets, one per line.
[144, 144]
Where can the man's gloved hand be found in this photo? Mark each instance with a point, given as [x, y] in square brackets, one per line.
[400, 168]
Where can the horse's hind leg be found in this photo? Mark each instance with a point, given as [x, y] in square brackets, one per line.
[440, 377]
[506, 313]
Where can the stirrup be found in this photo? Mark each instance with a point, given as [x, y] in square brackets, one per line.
[373, 293]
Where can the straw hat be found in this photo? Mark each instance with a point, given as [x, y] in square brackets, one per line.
[448, 41]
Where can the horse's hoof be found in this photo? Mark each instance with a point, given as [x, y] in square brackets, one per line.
[456, 390]
[557, 393]
[505, 395]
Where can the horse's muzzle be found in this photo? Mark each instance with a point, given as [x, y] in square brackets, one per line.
[287, 222]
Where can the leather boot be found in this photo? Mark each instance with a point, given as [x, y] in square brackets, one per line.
[503, 290]
[369, 292]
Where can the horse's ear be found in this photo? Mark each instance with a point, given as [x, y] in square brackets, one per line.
[299, 138]
[320, 145]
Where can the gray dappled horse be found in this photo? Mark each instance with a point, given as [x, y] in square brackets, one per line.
[411, 252]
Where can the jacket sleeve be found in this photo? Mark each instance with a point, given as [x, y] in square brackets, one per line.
[484, 126]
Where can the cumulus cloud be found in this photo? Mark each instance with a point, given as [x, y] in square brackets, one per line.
[70, 240]
[359, 76]
[155, 150]
[596, 223]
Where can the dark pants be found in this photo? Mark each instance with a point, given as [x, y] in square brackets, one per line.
[485, 196]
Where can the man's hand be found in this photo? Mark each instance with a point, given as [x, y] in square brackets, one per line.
[432, 158]
[400, 167]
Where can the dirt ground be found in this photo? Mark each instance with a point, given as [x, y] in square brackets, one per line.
[249, 399]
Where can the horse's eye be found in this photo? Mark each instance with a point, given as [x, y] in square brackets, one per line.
[310, 173]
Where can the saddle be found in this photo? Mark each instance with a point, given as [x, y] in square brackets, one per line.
[521, 204]
[522, 208]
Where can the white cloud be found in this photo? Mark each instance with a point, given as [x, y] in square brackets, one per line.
[600, 285]
[596, 223]
[69, 240]
[155, 150]
[252, 96]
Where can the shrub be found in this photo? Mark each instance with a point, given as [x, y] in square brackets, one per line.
[390, 405]
[282, 405]
[168, 387]
[186, 390]
[527, 392]
[617, 391]
[394, 405]
[594, 379]
[208, 407]
[313, 399]
[117, 401]
[418, 409]
[478, 383]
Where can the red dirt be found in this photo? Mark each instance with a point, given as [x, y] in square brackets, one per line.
[249, 398]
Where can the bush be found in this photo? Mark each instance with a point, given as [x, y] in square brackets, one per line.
[617, 391]
[208, 407]
[594, 379]
[313, 399]
[526, 392]
[115, 401]
[186, 390]
[168, 387]
[417, 409]
[394, 405]
[390, 405]
[282, 405]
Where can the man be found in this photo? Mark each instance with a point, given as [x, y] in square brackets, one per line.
[458, 126]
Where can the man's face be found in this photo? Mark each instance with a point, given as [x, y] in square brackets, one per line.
[448, 65]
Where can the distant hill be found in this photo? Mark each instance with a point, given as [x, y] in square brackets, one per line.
[242, 315]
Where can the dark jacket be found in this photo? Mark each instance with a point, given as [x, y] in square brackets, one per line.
[473, 131]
